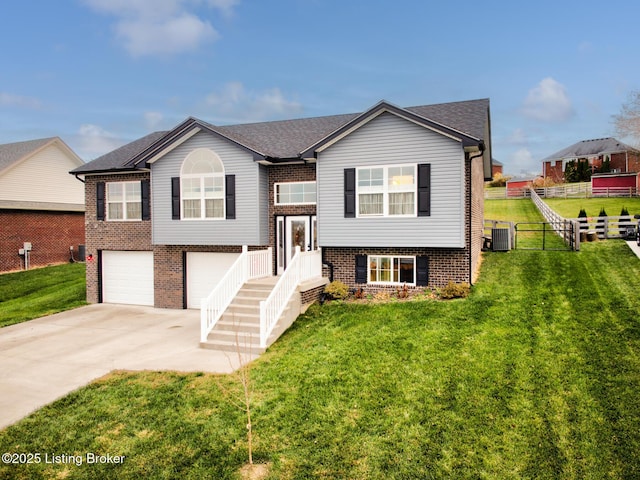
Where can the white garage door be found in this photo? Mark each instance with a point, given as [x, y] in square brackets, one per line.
[204, 271]
[127, 277]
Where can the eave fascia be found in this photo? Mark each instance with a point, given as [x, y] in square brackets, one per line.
[112, 171]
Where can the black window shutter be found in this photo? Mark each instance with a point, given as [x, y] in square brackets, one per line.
[145, 189]
[422, 271]
[361, 269]
[175, 198]
[424, 189]
[349, 193]
[100, 200]
[230, 196]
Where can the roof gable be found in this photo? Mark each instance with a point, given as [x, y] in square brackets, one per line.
[377, 110]
[13, 154]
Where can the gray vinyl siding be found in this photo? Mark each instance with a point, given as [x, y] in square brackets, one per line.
[245, 229]
[388, 140]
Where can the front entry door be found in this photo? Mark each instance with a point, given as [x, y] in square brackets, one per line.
[291, 232]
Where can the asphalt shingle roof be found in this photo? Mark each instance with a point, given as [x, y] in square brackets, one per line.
[285, 139]
[10, 153]
[587, 148]
[118, 158]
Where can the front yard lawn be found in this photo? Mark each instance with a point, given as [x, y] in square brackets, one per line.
[42, 291]
[535, 375]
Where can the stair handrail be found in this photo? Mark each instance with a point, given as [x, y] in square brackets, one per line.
[303, 265]
[248, 265]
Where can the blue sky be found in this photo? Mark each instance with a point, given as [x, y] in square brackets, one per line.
[100, 73]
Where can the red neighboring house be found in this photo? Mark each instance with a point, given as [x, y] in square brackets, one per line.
[40, 203]
[622, 158]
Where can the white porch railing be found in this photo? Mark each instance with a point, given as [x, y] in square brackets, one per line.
[303, 266]
[254, 264]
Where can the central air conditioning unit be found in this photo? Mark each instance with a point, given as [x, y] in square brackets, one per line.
[501, 239]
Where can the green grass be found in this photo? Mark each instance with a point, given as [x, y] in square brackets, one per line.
[43, 291]
[535, 375]
[570, 207]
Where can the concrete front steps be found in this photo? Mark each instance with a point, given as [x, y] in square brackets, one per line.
[238, 330]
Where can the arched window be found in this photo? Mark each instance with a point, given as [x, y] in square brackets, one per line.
[202, 185]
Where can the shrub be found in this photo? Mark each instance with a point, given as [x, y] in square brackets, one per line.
[382, 296]
[455, 290]
[337, 290]
[624, 212]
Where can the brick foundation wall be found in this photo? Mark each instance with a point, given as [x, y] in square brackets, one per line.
[110, 235]
[51, 234]
[445, 264]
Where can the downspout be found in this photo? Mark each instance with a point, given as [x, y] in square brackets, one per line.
[328, 264]
[79, 179]
[482, 148]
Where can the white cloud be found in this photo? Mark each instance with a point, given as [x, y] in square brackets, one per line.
[153, 120]
[11, 100]
[94, 141]
[145, 36]
[548, 101]
[233, 103]
[521, 162]
[157, 27]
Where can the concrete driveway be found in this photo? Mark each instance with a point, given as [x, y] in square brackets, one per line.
[45, 359]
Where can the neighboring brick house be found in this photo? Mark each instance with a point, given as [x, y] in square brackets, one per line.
[393, 196]
[496, 167]
[621, 157]
[40, 203]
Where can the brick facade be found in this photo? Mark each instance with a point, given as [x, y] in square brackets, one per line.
[169, 263]
[283, 174]
[620, 162]
[445, 264]
[50, 233]
[110, 235]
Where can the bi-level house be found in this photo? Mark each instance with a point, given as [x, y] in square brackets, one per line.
[384, 198]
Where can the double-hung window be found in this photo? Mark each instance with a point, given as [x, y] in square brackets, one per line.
[124, 201]
[392, 269]
[202, 186]
[386, 191]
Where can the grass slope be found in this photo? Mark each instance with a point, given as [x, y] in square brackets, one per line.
[535, 375]
[39, 292]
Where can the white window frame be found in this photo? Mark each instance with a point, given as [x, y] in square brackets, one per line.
[124, 202]
[385, 190]
[203, 197]
[276, 187]
[391, 258]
